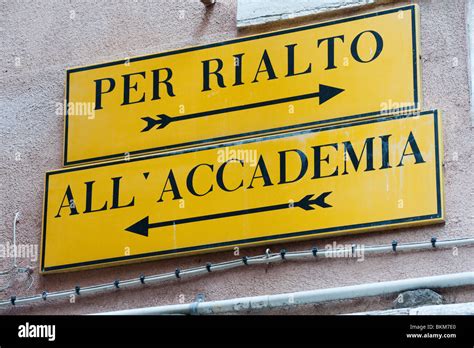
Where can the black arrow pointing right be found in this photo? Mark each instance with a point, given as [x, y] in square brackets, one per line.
[324, 94]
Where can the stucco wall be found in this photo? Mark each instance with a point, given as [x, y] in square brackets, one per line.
[40, 39]
[253, 12]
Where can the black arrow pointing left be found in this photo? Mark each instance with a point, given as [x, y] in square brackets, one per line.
[307, 203]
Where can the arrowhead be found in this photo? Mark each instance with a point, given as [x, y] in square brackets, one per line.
[140, 227]
[328, 92]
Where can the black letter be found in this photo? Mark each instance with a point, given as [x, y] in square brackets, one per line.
[378, 50]
[318, 160]
[99, 91]
[304, 166]
[263, 169]
[70, 203]
[238, 69]
[115, 195]
[206, 73]
[174, 187]
[157, 81]
[348, 149]
[89, 199]
[127, 88]
[189, 180]
[220, 173]
[268, 67]
[330, 49]
[291, 62]
[416, 151]
[385, 152]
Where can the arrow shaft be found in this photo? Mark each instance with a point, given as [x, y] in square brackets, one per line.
[219, 215]
[245, 107]
[143, 226]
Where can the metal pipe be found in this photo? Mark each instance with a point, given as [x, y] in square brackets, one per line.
[7, 271]
[15, 221]
[305, 297]
[267, 258]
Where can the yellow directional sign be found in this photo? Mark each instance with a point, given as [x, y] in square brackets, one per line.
[367, 175]
[296, 78]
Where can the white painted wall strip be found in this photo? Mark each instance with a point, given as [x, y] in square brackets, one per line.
[449, 309]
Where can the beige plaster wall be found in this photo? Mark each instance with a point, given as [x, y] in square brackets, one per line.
[40, 39]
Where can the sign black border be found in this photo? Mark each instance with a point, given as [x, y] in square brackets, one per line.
[415, 107]
[438, 214]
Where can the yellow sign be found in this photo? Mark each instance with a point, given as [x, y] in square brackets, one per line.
[368, 175]
[296, 78]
